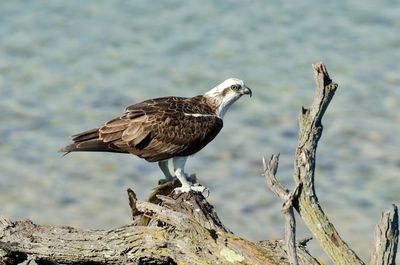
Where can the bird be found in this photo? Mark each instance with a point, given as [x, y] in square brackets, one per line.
[164, 129]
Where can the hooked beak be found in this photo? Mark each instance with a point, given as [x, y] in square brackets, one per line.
[246, 91]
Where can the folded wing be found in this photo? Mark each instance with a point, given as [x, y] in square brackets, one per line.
[155, 130]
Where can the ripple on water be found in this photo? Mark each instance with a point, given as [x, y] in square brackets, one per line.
[68, 66]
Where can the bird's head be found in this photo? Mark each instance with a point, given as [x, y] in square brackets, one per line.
[226, 93]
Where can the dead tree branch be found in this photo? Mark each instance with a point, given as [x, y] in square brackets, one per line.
[304, 198]
[386, 239]
[287, 207]
[307, 201]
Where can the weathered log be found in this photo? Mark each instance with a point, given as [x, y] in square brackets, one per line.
[177, 229]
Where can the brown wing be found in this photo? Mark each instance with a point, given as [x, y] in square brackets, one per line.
[158, 129]
[104, 139]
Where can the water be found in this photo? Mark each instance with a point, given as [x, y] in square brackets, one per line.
[68, 66]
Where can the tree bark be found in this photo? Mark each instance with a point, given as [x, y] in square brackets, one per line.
[169, 229]
[386, 239]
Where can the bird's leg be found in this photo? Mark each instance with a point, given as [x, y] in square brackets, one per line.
[179, 164]
[164, 168]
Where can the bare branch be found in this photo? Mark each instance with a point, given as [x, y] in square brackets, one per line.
[290, 234]
[307, 201]
[271, 180]
[287, 207]
[386, 239]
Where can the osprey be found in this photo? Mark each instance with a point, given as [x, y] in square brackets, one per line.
[165, 128]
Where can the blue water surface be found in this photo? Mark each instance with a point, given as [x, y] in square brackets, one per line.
[68, 66]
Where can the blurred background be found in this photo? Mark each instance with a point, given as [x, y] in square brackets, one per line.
[68, 66]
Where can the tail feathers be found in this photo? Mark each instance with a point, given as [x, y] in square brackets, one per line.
[92, 145]
[86, 135]
[89, 141]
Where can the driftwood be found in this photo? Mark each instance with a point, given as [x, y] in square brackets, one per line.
[304, 198]
[173, 229]
[184, 228]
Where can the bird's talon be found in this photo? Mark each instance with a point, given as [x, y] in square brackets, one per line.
[189, 189]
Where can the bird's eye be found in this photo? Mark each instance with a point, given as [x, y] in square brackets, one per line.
[235, 87]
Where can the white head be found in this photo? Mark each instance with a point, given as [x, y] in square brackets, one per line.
[226, 93]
